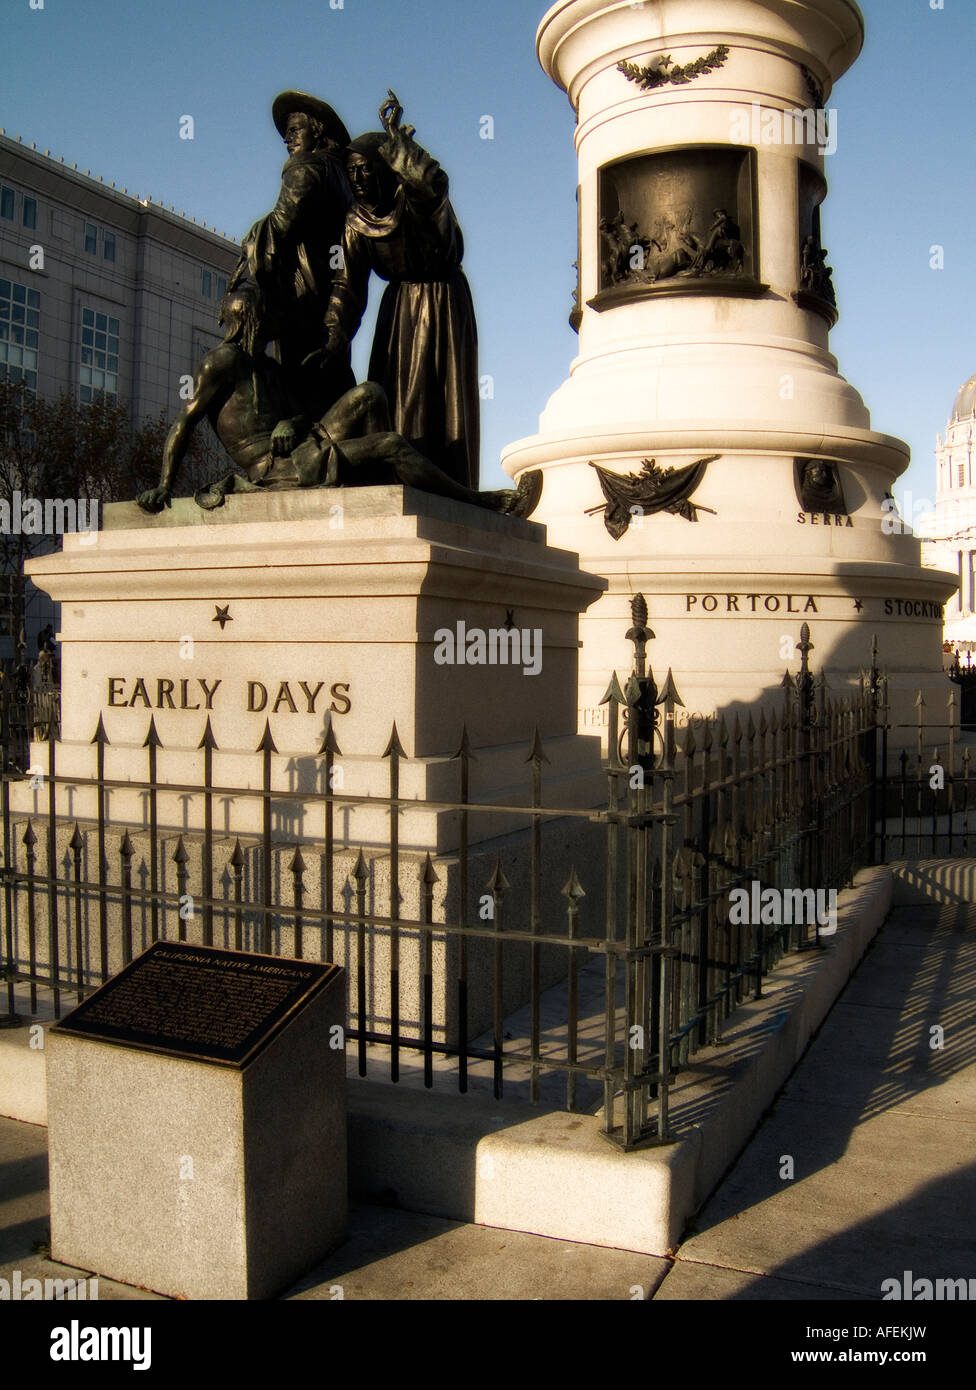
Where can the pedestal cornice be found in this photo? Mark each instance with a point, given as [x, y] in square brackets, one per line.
[575, 33]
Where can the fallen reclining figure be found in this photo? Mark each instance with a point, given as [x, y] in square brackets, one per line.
[244, 394]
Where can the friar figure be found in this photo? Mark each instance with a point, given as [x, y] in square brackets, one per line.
[425, 351]
[291, 254]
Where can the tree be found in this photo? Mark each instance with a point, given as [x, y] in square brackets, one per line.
[59, 450]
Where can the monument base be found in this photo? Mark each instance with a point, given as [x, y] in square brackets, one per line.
[341, 670]
[288, 621]
[729, 592]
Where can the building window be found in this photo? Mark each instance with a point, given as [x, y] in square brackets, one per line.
[221, 287]
[108, 245]
[30, 213]
[99, 376]
[961, 474]
[20, 315]
[207, 284]
[91, 238]
[7, 203]
[203, 345]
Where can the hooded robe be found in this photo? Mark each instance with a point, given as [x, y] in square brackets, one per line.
[425, 350]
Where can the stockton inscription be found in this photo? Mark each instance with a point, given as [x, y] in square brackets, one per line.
[197, 1001]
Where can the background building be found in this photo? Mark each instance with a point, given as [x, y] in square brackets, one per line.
[124, 296]
[951, 529]
[102, 293]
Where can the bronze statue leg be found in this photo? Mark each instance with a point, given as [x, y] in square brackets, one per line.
[387, 450]
[361, 411]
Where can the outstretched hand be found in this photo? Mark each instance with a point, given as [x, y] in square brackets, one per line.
[391, 113]
[337, 344]
[155, 499]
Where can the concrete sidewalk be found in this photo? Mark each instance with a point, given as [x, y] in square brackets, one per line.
[390, 1255]
[880, 1127]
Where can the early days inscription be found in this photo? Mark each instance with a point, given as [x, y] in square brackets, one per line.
[283, 697]
[197, 1001]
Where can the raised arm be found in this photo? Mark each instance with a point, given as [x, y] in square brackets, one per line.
[423, 176]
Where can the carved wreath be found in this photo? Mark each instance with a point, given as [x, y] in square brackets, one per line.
[664, 71]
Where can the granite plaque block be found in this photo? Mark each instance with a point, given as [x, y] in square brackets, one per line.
[197, 1123]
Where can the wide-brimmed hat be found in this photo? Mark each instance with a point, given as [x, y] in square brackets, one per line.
[288, 102]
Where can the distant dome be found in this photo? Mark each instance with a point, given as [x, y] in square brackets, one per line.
[965, 402]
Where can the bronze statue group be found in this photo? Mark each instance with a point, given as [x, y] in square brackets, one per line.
[346, 209]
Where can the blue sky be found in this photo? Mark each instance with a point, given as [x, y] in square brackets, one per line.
[105, 82]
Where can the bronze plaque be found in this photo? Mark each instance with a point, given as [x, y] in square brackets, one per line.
[198, 1002]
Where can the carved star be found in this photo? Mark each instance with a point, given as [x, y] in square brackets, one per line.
[858, 605]
[223, 616]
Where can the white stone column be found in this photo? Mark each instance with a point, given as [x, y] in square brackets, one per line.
[734, 363]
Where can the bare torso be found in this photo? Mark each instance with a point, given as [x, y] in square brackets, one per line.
[246, 411]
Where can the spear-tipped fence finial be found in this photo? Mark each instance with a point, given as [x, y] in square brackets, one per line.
[573, 890]
[464, 747]
[330, 744]
[394, 748]
[537, 754]
[614, 695]
[208, 740]
[361, 872]
[498, 883]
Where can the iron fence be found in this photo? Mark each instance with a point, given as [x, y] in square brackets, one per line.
[27, 712]
[927, 799]
[965, 678]
[593, 947]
